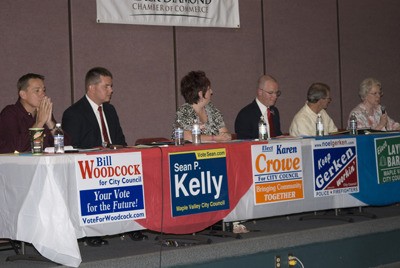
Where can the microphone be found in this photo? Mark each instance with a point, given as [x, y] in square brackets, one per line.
[383, 109]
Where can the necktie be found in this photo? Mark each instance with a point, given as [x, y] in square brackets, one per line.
[103, 126]
[271, 123]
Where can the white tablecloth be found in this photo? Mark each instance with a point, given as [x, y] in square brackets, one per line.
[39, 205]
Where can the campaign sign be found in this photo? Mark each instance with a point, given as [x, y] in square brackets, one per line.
[277, 172]
[335, 167]
[198, 181]
[388, 159]
[110, 187]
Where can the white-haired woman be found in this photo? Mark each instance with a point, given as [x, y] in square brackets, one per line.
[370, 113]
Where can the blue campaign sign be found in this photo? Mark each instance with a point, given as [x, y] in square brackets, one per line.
[199, 182]
[335, 167]
[110, 200]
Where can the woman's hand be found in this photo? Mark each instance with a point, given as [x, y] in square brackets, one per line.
[223, 136]
[382, 121]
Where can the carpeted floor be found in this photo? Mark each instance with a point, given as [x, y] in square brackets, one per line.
[312, 241]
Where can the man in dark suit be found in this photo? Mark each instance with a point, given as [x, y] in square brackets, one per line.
[93, 122]
[246, 123]
[83, 120]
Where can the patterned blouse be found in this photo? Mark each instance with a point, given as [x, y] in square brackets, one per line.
[187, 115]
[364, 120]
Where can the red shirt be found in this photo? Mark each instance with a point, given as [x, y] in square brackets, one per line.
[15, 122]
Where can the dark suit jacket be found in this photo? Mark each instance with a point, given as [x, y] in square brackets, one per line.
[246, 123]
[81, 124]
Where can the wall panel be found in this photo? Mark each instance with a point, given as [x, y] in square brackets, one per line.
[231, 58]
[333, 41]
[34, 38]
[370, 43]
[141, 60]
[301, 48]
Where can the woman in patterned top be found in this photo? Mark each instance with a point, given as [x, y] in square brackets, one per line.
[197, 92]
[370, 113]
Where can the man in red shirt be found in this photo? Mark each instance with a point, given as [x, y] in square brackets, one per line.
[33, 109]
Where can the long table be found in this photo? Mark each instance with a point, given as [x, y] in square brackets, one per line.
[371, 192]
[40, 194]
[40, 203]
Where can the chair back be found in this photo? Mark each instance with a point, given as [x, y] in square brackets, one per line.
[151, 140]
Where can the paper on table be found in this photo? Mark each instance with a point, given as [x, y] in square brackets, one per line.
[66, 148]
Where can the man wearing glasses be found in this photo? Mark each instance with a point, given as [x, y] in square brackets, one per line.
[318, 99]
[246, 123]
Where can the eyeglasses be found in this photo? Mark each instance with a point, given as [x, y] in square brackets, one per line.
[277, 93]
[380, 93]
[329, 99]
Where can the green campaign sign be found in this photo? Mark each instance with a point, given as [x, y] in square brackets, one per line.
[388, 159]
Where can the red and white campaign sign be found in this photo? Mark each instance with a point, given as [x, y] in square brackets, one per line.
[110, 187]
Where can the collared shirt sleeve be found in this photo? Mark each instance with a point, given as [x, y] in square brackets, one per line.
[14, 133]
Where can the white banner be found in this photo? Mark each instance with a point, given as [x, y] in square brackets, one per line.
[197, 13]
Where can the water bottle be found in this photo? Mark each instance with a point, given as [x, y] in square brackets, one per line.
[196, 132]
[353, 124]
[262, 129]
[319, 126]
[178, 134]
[58, 139]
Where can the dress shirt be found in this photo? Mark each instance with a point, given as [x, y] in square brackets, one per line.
[263, 108]
[264, 111]
[95, 108]
[246, 122]
[303, 123]
[80, 121]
